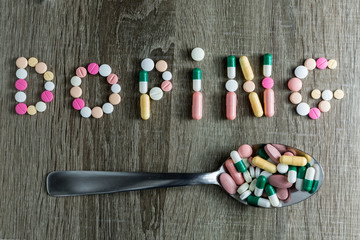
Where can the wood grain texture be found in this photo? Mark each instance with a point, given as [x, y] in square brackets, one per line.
[66, 34]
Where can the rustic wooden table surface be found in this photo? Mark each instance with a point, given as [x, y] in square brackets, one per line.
[67, 34]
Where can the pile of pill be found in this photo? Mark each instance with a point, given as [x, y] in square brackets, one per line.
[79, 104]
[197, 54]
[267, 175]
[155, 93]
[21, 85]
[295, 85]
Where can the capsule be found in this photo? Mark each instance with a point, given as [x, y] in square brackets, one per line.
[316, 178]
[309, 179]
[246, 68]
[259, 202]
[239, 164]
[269, 102]
[300, 178]
[270, 191]
[292, 174]
[196, 79]
[197, 106]
[260, 185]
[145, 106]
[231, 67]
[267, 66]
[255, 104]
[293, 160]
[262, 153]
[231, 102]
[263, 164]
[143, 82]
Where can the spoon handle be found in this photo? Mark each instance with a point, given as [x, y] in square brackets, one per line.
[73, 183]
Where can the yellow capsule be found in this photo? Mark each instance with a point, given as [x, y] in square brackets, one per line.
[293, 160]
[256, 104]
[145, 106]
[263, 164]
[246, 68]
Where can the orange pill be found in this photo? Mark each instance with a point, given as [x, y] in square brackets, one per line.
[97, 112]
[75, 92]
[40, 68]
[114, 99]
[249, 86]
[21, 62]
[161, 66]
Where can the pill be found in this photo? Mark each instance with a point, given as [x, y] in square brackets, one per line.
[104, 70]
[282, 193]
[239, 164]
[143, 82]
[75, 81]
[281, 148]
[295, 98]
[40, 68]
[327, 95]
[270, 191]
[76, 92]
[114, 99]
[197, 106]
[32, 62]
[21, 84]
[288, 154]
[236, 176]
[310, 63]
[48, 76]
[262, 153]
[314, 113]
[166, 86]
[21, 73]
[267, 82]
[301, 72]
[321, 63]
[245, 195]
[20, 97]
[257, 172]
[81, 72]
[196, 79]
[21, 62]
[156, 93]
[300, 178]
[269, 102]
[197, 54]
[260, 185]
[315, 94]
[255, 104]
[246, 162]
[243, 188]
[252, 185]
[245, 151]
[227, 183]
[108, 108]
[332, 64]
[21, 108]
[144, 106]
[50, 86]
[339, 94]
[279, 181]
[40, 106]
[292, 174]
[166, 76]
[303, 109]
[47, 96]
[247, 176]
[282, 168]
[263, 164]
[31, 110]
[97, 112]
[231, 67]
[161, 66]
[249, 86]
[85, 112]
[231, 85]
[309, 179]
[295, 84]
[272, 152]
[251, 170]
[231, 103]
[78, 104]
[293, 160]
[267, 65]
[111, 78]
[258, 201]
[246, 68]
[316, 178]
[93, 69]
[115, 88]
[147, 64]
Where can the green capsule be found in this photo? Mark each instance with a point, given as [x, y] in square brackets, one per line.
[268, 59]
[196, 74]
[143, 76]
[240, 166]
[263, 154]
[257, 201]
[231, 61]
[261, 181]
[270, 190]
[301, 172]
[309, 179]
[267, 66]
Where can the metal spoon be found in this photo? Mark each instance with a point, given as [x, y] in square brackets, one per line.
[75, 183]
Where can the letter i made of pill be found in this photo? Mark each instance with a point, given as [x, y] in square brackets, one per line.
[197, 101]
[231, 86]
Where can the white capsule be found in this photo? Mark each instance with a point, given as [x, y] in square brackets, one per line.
[317, 172]
[274, 200]
[257, 172]
[267, 69]
[197, 85]
[231, 72]
[143, 87]
[310, 173]
[282, 168]
[264, 203]
[247, 176]
[20, 96]
[292, 175]
[258, 191]
[253, 185]
[252, 171]
[243, 188]
[245, 195]
[299, 184]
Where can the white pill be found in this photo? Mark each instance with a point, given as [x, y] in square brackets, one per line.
[166, 76]
[85, 112]
[257, 172]
[147, 64]
[252, 171]
[108, 108]
[243, 188]
[301, 72]
[247, 176]
[197, 54]
[253, 185]
[245, 195]
[49, 86]
[104, 70]
[20, 96]
[282, 168]
[40, 106]
[115, 88]
[231, 85]
[156, 93]
[75, 81]
[21, 73]
[303, 109]
[327, 95]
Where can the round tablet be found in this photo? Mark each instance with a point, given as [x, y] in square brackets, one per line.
[249, 86]
[197, 54]
[47, 96]
[314, 113]
[48, 76]
[315, 94]
[301, 72]
[339, 94]
[231, 85]
[267, 82]
[116, 88]
[310, 64]
[303, 109]
[49, 86]
[20, 84]
[21, 62]
[332, 64]
[156, 93]
[112, 78]
[78, 104]
[21, 108]
[108, 108]
[295, 84]
[161, 66]
[85, 112]
[93, 68]
[327, 95]
[20, 97]
[166, 76]
[81, 72]
[295, 98]
[97, 112]
[32, 62]
[321, 63]
[75, 92]
[166, 86]
[40, 68]
[40, 106]
[324, 106]
[147, 64]
[31, 110]
[21, 73]
[104, 70]
[75, 81]
[114, 99]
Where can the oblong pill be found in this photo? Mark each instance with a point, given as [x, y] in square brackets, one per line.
[236, 176]
[272, 152]
[256, 104]
[145, 106]
[228, 183]
[246, 68]
[269, 102]
[231, 103]
[197, 106]
[293, 160]
[263, 164]
[279, 181]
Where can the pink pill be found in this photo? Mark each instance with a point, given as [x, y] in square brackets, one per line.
[281, 148]
[269, 102]
[166, 86]
[289, 197]
[228, 183]
[47, 96]
[21, 108]
[288, 154]
[321, 63]
[197, 106]
[81, 72]
[279, 181]
[245, 151]
[282, 193]
[231, 102]
[112, 78]
[295, 84]
[314, 113]
[78, 104]
[234, 173]
[20, 84]
[292, 151]
[267, 82]
[250, 161]
[93, 68]
[272, 152]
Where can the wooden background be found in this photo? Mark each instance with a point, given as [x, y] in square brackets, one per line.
[67, 34]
